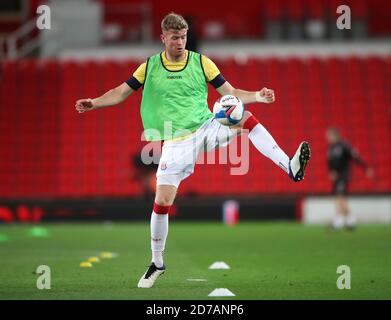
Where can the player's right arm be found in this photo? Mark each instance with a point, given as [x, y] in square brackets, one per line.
[116, 95]
[110, 98]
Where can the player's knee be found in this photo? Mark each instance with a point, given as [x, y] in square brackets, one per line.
[246, 115]
[164, 198]
[164, 201]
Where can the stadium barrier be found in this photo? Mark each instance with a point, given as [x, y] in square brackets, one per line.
[102, 209]
[374, 209]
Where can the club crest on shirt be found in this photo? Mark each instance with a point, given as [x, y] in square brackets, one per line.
[163, 166]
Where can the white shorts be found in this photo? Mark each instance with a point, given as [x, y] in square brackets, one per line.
[179, 156]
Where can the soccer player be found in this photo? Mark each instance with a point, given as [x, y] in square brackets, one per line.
[340, 156]
[175, 92]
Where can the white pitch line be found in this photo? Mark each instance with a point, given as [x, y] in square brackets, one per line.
[197, 280]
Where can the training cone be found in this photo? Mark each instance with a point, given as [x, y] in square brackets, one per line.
[221, 292]
[93, 259]
[3, 237]
[85, 264]
[219, 265]
[106, 255]
[39, 232]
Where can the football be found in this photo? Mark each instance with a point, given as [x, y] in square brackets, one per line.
[228, 110]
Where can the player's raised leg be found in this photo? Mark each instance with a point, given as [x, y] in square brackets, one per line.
[165, 195]
[265, 144]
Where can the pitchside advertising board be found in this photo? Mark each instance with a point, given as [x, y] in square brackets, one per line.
[228, 209]
[366, 209]
[309, 210]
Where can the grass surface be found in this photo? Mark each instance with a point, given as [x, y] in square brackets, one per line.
[268, 261]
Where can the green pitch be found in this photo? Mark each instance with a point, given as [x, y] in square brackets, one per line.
[267, 260]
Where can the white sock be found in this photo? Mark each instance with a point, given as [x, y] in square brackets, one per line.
[265, 143]
[351, 220]
[338, 222]
[159, 231]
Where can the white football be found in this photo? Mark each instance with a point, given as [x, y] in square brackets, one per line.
[228, 110]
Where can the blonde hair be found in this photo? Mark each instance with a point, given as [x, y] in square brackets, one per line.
[174, 21]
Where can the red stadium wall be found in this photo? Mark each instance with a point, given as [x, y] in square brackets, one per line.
[47, 149]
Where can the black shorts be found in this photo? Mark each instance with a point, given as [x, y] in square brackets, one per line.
[340, 186]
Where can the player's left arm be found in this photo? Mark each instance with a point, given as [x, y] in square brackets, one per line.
[216, 79]
[359, 160]
[265, 95]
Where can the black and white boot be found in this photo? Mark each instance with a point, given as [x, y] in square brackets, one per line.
[298, 162]
[149, 277]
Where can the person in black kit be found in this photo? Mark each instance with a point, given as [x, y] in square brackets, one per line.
[340, 156]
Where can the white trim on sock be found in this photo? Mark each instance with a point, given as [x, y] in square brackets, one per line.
[265, 144]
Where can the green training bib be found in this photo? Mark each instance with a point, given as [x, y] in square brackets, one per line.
[174, 103]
